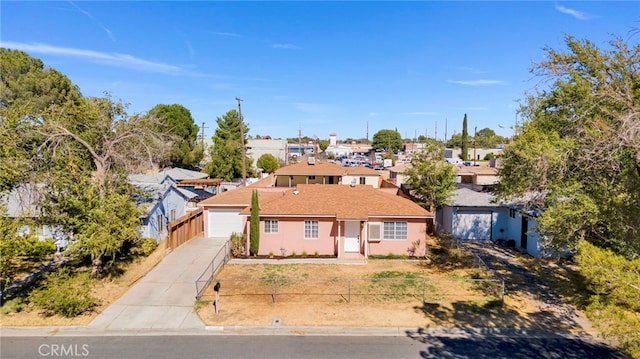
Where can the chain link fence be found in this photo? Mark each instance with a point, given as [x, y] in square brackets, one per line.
[360, 290]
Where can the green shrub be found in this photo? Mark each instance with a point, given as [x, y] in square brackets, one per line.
[145, 246]
[304, 254]
[37, 248]
[293, 254]
[316, 254]
[62, 293]
[13, 305]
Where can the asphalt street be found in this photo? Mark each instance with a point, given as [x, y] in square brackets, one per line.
[411, 345]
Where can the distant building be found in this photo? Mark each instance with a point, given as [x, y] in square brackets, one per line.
[336, 150]
[259, 147]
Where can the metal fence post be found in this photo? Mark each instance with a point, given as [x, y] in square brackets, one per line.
[275, 289]
[502, 292]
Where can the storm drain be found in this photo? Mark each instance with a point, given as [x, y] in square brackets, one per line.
[276, 322]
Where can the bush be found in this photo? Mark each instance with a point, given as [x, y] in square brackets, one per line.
[145, 246]
[62, 293]
[238, 244]
[37, 248]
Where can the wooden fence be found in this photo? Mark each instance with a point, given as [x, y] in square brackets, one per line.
[185, 228]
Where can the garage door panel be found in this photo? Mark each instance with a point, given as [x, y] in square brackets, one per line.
[473, 225]
[222, 223]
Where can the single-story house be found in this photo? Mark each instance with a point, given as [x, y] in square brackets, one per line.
[322, 219]
[474, 215]
[323, 172]
[21, 204]
[163, 201]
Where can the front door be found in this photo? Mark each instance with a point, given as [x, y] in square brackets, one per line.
[352, 236]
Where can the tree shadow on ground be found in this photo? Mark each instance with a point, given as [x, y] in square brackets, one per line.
[486, 344]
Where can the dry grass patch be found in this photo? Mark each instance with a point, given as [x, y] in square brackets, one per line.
[18, 312]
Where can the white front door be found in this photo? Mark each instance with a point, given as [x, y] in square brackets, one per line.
[352, 236]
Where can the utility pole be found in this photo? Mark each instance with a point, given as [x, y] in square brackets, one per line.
[475, 131]
[445, 130]
[242, 149]
[202, 136]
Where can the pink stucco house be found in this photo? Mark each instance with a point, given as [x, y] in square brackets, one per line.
[323, 219]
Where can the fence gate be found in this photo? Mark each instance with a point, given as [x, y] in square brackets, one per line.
[185, 228]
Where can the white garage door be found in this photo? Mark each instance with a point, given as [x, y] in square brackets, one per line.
[221, 223]
[473, 225]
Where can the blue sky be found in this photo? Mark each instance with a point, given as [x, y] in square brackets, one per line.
[320, 67]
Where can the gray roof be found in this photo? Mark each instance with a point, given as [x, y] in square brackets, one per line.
[176, 173]
[465, 197]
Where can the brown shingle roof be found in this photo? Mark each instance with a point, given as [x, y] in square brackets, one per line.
[241, 196]
[342, 202]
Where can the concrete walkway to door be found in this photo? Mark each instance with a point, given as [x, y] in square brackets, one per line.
[164, 298]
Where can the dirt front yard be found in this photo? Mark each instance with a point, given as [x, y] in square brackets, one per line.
[381, 293]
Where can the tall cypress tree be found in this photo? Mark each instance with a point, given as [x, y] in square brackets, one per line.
[465, 139]
[254, 226]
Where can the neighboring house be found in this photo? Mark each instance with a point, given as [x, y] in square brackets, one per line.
[397, 173]
[21, 205]
[479, 177]
[473, 215]
[323, 172]
[163, 201]
[323, 219]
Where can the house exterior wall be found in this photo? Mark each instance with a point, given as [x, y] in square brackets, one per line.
[286, 181]
[151, 228]
[174, 201]
[416, 230]
[290, 237]
[355, 179]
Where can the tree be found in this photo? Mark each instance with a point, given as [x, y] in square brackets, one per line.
[27, 90]
[465, 140]
[268, 163]
[578, 156]
[254, 230]
[389, 140]
[226, 152]
[431, 179]
[323, 144]
[176, 120]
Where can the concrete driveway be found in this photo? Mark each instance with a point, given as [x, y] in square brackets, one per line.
[165, 297]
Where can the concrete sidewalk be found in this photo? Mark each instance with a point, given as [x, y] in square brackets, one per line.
[165, 297]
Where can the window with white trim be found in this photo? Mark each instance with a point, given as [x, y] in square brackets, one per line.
[363, 180]
[271, 226]
[395, 230]
[310, 229]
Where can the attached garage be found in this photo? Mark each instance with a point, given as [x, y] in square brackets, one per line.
[222, 222]
[473, 224]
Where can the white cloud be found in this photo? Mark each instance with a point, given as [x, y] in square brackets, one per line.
[88, 14]
[575, 13]
[112, 59]
[372, 114]
[477, 82]
[472, 70]
[285, 46]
